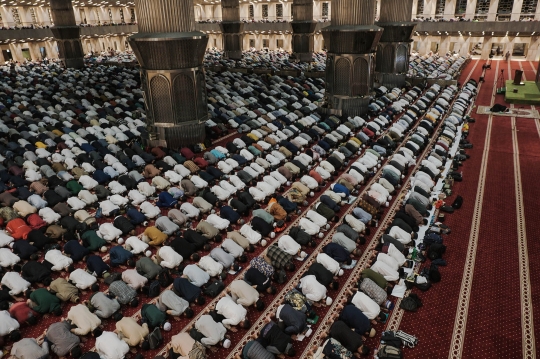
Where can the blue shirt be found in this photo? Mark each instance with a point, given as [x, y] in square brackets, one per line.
[97, 265]
[75, 250]
[119, 255]
[186, 290]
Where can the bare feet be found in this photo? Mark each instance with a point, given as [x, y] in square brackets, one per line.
[213, 349]
[233, 329]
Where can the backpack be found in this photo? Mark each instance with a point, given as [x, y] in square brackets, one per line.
[411, 303]
[447, 209]
[458, 202]
[389, 338]
[432, 238]
[154, 289]
[214, 289]
[423, 286]
[436, 251]
[155, 339]
[434, 274]
[165, 279]
[389, 352]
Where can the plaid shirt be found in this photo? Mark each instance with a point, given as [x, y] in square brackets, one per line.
[124, 293]
[373, 291]
[190, 165]
[278, 258]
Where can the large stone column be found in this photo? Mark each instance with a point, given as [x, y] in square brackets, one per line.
[351, 41]
[67, 34]
[303, 27]
[171, 53]
[232, 29]
[394, 48]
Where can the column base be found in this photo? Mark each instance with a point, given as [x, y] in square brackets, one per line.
[76, 63]
[179, 136]
[390, 80]
[233, 54]
[346, 106]
[302, 56]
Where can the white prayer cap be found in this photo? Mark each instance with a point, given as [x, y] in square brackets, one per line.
[328, 301]
[148, 253]
[167, 326]
[340, 273]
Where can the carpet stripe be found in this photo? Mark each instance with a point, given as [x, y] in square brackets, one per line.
[527, 318]
[460, 323]
[527, 321]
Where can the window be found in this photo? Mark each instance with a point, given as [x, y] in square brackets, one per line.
[132, 13]
[16, 17]
[251, 42]
[110, 15]
[122, 16]
[461, 7]
[265, 11]
[251, 12]
[520, 49]
[215, 42]
[33, 16]
[504, 10]
[420, 8]
[97, 17]
[279, 11]
[439, 8]
[266, 43]
[482, 6]
[527, 9]
[325, 10]
[279, 44]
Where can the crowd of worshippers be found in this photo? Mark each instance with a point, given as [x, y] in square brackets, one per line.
[76, 184]
[370, 304]
[435, 66]
[265, 58]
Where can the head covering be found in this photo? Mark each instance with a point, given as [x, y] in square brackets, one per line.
[167, 326]
[148, 253]
[120, 241]
[226, 344]
[340, 273]
[389, 305]
[328, 301]
[263, 242]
